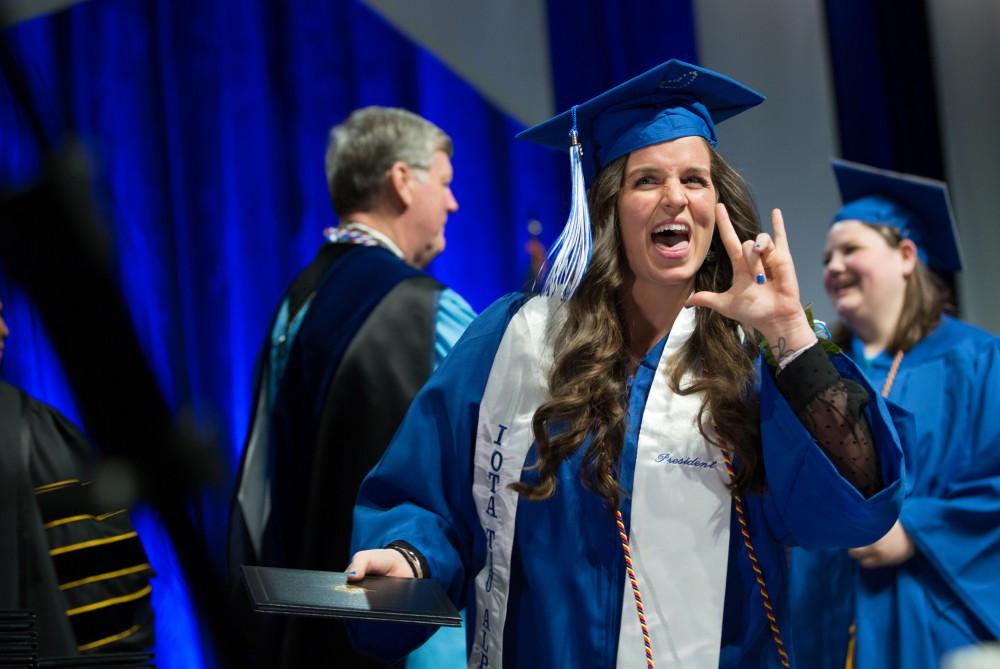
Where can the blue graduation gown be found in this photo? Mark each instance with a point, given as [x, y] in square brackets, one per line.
[567, 569]
[948, 594]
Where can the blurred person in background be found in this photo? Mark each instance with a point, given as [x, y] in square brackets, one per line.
[66, 554]
[931, 583]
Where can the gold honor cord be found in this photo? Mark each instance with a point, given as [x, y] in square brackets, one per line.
[765, 598]
[772, 620]
[634, 581]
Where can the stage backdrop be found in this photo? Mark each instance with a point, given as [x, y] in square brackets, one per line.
[207, 122]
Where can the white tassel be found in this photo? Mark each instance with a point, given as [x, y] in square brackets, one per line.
[570, 255]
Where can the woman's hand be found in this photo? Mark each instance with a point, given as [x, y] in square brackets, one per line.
[378, 562]
[765, 291]
[895, 548]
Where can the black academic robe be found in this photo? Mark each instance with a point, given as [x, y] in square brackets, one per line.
[364, 348]
[78, 565]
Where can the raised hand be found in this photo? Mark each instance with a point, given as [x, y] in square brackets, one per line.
[765, 291]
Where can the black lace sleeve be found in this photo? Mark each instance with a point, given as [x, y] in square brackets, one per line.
[832, 409]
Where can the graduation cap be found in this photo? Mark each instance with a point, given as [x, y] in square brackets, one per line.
[674, 99]
[916, 206]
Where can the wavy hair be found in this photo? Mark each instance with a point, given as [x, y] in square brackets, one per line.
[587, 382]
[926, 297]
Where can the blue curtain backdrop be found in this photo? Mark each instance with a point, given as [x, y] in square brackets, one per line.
[207, 122]
[883, 72]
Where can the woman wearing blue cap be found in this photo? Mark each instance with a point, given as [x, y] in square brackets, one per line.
[603, 477]
[931, 584]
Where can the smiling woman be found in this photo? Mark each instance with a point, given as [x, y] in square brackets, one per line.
[580, 448]
[866, 271]
[666, 210]
[929, 585]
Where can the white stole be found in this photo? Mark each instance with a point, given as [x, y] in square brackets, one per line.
[517, 385]
[679, 534]
[680, 503]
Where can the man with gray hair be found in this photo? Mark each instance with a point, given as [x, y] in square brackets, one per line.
[355, 336]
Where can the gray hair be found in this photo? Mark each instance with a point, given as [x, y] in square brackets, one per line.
[363, 148]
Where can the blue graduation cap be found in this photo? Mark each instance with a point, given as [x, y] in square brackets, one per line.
[672, 100]
[916, 206]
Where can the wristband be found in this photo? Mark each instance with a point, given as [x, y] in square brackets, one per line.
[411, 558]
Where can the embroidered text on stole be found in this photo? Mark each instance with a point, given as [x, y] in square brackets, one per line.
[517, 385]
[680, 520]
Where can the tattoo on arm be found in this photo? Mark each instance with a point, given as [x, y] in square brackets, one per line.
[783, 351]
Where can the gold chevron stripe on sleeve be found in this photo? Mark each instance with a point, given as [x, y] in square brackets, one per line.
[110, 602]
[90, 544]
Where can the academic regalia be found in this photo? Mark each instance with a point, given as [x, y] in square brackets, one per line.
[543, 582]
[918, 207]
[355, 337]
[546, 579]
[948, 594]
[78, 565]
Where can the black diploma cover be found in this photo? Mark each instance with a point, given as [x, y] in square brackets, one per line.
[327, 594]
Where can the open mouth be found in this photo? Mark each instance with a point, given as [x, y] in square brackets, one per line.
[843, 285]
[674, 236]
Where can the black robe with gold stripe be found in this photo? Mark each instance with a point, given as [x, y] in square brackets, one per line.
[78, 565]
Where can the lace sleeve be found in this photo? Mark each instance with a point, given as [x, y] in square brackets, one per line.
[832, 409]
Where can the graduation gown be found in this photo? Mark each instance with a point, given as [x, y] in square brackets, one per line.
[546, 579]
[948, 594]
[331, 389]
[78, 564]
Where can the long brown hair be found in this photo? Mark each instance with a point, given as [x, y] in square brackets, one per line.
[926, 297]
[592, 361]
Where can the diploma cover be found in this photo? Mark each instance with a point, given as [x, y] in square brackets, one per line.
[327, 594]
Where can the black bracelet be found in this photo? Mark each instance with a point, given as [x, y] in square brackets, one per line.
[410, 556]
[806, 377]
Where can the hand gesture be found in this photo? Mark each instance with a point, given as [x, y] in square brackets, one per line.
[765, 292]
[895, 548]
